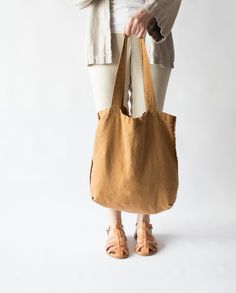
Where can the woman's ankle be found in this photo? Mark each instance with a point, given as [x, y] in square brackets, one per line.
[115, 217]
[143, 217]
[114, 223]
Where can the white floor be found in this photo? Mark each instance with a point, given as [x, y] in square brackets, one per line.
[48, 245]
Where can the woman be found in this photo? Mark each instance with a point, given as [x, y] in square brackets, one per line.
[108, 22]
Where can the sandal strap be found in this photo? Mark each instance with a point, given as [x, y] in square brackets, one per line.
[116, 226]
[116, 246]
[144, 224]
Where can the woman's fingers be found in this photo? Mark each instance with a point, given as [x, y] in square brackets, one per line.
[137, 24]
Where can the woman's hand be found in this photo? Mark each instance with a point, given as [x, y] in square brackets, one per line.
[137, 24]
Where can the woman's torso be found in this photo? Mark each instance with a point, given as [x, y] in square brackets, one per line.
[98, 41]
[121, 10]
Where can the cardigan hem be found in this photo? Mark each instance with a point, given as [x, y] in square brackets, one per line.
[103, 61]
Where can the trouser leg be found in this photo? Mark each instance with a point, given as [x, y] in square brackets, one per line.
[102, 76]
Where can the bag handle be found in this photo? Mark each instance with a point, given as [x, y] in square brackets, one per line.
[118, 89]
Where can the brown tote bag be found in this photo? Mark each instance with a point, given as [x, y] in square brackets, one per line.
[134, 166]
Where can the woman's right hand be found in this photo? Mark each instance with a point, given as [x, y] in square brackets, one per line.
[138, 23]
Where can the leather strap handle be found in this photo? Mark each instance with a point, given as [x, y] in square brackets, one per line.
[118, 89]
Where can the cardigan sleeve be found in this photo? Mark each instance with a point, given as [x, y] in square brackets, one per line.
[164, 12]
[81, 4]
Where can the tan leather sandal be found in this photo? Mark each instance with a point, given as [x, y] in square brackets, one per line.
[146, 243]
[116, 245]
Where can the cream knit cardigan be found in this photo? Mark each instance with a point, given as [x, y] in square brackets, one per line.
[98, 35]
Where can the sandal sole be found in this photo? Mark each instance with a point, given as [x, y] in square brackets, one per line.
[119, 257]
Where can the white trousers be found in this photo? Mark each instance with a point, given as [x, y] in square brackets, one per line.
[102, 78]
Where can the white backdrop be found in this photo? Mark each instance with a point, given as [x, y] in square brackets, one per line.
[52, 234]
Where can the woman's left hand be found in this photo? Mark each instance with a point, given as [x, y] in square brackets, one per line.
[137, 24]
